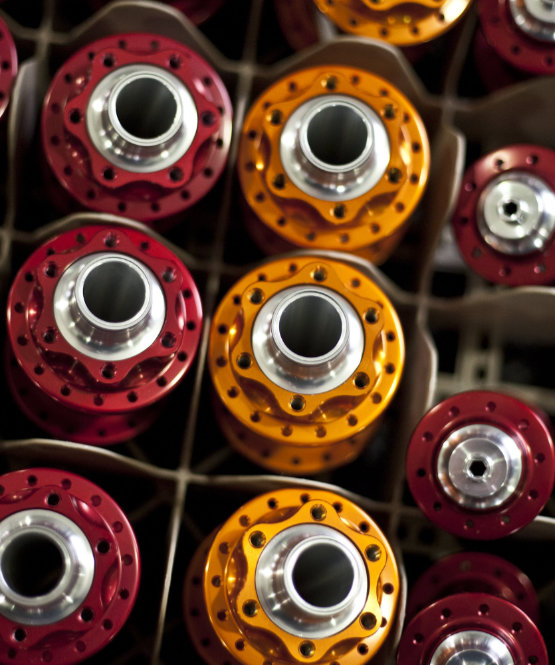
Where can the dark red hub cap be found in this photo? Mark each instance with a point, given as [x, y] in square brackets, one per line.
[530, 49]
[504, 222]
[103, 321]
[474, 572]
[476, 625]
[137, 124]
[70, 568]
[481, 464]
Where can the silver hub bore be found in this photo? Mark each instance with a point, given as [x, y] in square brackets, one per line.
[311, 581]
[46, 567]
[516, 213]
[308, 339]
[334, 147]
[472, 647]
[141, 118]
[535, 17]
[479, 466]
[109, 306]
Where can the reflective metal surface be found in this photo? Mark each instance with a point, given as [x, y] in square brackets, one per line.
[308, 339]
[335, 147]
[311, 580]
[472, 647]
[535, 17]
[516, 213]
[479, 466]
[31, 533]
[109, 306]
[141, 118]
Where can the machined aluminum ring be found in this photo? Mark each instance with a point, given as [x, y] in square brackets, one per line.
[54, 538]
[536, 18]
[308, 339]
[516, 213]
[311, 581]
[98, 324]
[133, 141]
[335, 147]
[479, 466]
[472, 646]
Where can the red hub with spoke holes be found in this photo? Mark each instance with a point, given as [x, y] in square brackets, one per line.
[480, 464]
[137, 124]
[70, 567]
[474, 572]
[529, 48]
[472, 623]
[505, 220]
[90, 367]
[8, 70]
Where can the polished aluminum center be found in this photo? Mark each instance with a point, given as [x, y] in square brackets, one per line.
[535, 17]
[472, 647]
[279, 596]
[76, 577]
[479, 466]
[157, 105]
[308, 339]
[322, 133]
[516, 213]
[109, 306]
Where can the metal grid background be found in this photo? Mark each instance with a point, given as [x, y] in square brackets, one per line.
[180, 480]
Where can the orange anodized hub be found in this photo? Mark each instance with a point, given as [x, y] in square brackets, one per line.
[305, 355]
[332, 158]
[397, 21]
[294, 576]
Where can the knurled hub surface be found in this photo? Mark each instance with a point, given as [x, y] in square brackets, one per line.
[474, 572]
[312, 412]
[100, 181]
[319, 213]
[511, 43]
[533, 267]
[85, 393]
[396, 21]
[93, 516]
[527, 430]
[225, 613]
[8, 58]
[466, 612]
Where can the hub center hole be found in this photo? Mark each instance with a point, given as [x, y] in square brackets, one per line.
[310, 326]
[478, 468]
[323, 576]
[32, 565]
[146, 108]
[511, 210]
[337, 135]
[114, 291]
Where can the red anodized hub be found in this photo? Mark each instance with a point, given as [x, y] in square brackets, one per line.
[474, 572]
[481, 464]
[504, 222]
[70, 568]
[8, 69]
[521, 32]
[477, 626]
[90, 367]
[137, 124]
